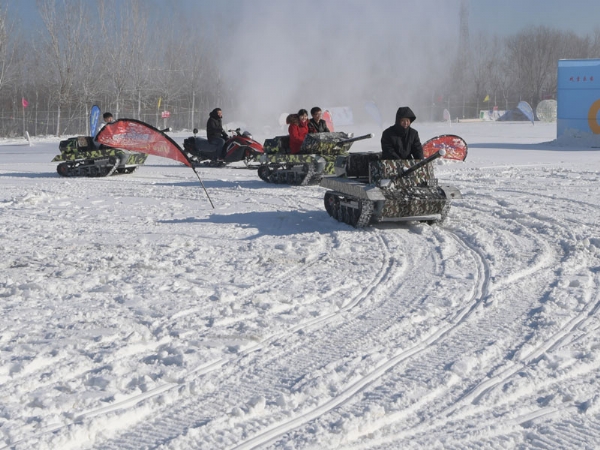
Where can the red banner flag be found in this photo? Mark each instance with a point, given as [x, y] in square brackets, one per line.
[24, 102]
[137, 136]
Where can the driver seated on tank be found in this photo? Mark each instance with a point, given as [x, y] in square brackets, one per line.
[107, 118]
[401, 141]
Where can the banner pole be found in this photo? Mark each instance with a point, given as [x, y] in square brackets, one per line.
[205, 191]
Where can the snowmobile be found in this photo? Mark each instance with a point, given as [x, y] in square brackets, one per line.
[367, 190]
[316, 158]
[81, 158]
[239, 147]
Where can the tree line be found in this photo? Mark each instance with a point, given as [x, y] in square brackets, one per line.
[507, 70]
[108, 54]
[117, 55]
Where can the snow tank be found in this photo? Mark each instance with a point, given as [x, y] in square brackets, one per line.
[367, 190]
[81, 158]
[316, 158]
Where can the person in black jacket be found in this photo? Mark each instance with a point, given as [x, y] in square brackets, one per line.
[316, 124]
[215, 133]
[400, 141]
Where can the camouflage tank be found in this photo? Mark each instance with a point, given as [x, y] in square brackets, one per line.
[367, 190]
[316, 158]
[81, 158]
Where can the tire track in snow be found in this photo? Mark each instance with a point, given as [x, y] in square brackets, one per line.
[380, 283]
[475, 395]
[204, 368]
[473, 300]
[176, 422]
[463, 413]
[262, 346]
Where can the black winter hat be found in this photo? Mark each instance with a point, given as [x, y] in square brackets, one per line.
[405, 111]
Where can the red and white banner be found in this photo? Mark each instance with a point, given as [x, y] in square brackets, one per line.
[131, 134]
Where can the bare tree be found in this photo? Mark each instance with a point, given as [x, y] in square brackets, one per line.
[483, 60]
[64, 21]
[7, 50]
[92, 71]
[124, 41]
[140, 72]
[595, 43]
[534, 54]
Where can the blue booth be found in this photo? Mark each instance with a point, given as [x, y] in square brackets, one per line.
[578, 96]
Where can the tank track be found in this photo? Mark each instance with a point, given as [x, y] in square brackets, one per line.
[98, 167]
[287, 175]
[352, 211]
[444, 215]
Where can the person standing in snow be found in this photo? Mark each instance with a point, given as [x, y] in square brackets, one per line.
[215, 133]
[400, 141]
[316, 124]
[298, 130]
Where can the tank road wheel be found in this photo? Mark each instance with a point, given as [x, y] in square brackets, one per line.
[63, 169]
[292, 178]
[94, 172]
[264, 173]
[332, 205]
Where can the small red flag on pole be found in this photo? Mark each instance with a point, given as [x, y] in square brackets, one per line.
[24, 102]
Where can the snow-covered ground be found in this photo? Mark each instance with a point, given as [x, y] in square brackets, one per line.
[134, 316]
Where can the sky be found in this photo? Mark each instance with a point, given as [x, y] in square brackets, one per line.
[497, 17]
[507, 17]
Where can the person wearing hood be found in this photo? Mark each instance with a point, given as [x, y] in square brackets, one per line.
[400, 141]
[215, 134]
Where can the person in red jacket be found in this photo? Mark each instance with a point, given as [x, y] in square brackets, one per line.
[298, 130]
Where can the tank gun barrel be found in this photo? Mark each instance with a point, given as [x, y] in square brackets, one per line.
[354, 139]
[424, 162]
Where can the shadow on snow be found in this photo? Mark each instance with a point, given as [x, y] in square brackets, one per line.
[274, 223]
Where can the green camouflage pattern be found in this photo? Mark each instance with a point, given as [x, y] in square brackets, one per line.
[326, 143]
[79, 157]
[329, 165]
[133, 158]
[277, 145]
[318, 156]
[82, 147]
[315, 143]
[278, 160]
[287, 159]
